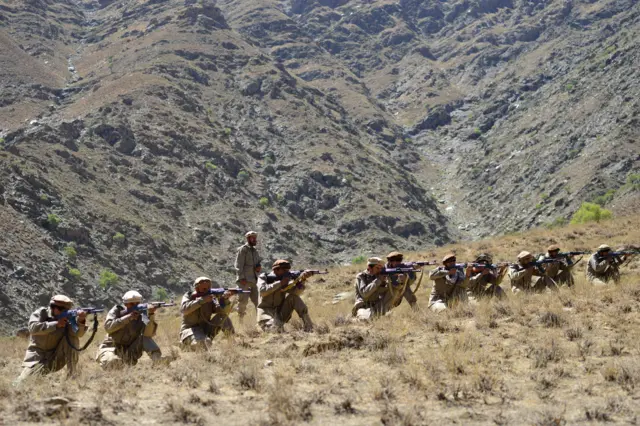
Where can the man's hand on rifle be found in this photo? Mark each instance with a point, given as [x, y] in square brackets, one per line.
[285, 281]
[62, 323]
[305, 275]
[152, 309]
[134, 315]
[452, 271]
[227, 295]
[485, 271]
[82, 316]
[208, 298]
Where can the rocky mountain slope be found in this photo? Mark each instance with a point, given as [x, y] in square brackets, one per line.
[145, 137]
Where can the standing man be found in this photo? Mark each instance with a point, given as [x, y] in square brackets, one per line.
[248, 268]
[394, 260]
[526, 275]
[373, 297]
[129, 334]
[559, 271]
[276, 305]
[48, 349]
[203, 315]
[485, 280]
[450, 284]
[603, 267]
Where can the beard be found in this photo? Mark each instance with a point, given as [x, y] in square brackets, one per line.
[252, 243]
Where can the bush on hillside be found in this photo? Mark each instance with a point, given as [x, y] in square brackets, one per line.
[590, 212]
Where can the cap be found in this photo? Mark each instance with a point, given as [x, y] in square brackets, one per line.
[61, 300]
[251, 234]
[448, 257]
[484, 257]
[395, 254]
[132, 296]
[200, 279]
[604, 247]
[281, 263]
[553, 247]
[372, 261]
[524, 255]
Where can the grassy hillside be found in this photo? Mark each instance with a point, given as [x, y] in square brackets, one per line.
[546, 359]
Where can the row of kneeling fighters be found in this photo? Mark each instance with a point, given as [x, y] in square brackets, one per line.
[383, 285]
[55, 331]
[130, 326]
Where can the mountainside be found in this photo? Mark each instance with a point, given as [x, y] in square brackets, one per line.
[145, 137]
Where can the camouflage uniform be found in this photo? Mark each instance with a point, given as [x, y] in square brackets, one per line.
[198, 328]
[48, 349]
[560, 272]
[601, 270]
[447, 289]
[373, 297]
[245, 265]
[275, 307]
[127, 339]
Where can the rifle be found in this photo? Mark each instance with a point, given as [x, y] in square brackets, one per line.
[419, 263]
[219, 292]
[537, 264]
[72, 316]
[624, 253]
[398, 271]
[569, 254]
[143, 309]
[295, 277]
[492, 266]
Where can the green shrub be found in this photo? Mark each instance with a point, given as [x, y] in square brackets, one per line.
[539, 206]
[1, 141]
[210, 166]
[160, 294]
[264, 202]
[359, 259]
[118, 238]
[590, 212]
[227, 131]
[633, 181]
[44, 197]
[53, 220]
[75, 274]
[408, 140]
[557, 222]
[243, 176]
[269, 158]
[71, 252]
[606, 198]
[107, 279]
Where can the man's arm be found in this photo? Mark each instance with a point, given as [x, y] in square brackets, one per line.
[267, 289]
[38, 324]
[367, 290]
[113, 323]
[438, 273]
[188, 305]
[241, 259]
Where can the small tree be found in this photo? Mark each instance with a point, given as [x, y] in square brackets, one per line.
[359, 259]
[71, 252]
[590, 212]
[75, 274]
[107, 279]
[160, 294]
[53, 220]
[118, 238]
[243, 176]
[264, 202]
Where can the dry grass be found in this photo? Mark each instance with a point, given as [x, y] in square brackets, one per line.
[565, 357]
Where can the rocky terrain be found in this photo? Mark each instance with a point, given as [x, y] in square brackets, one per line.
[141, 139]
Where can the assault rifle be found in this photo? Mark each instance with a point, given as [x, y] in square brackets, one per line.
[72, 316]
[572, 253]
[492, 266]
[624, 253]
[219, 292]
[419, 263]
[397, 271]
[143, 309]
[537, 264]
[294, 277]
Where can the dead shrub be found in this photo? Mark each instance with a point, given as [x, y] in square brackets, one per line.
[550, 419]
[341, 319]
[345, 407]
[391, 356]
[185, 376]
[573, 333]
[551, 319]
[284, 406]
[248, 378]
[184, 415]
[626, 374]
[597, 415]
[584, 348]
[542, 355]
[615, 348]
[391, 415]
[385, 392]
